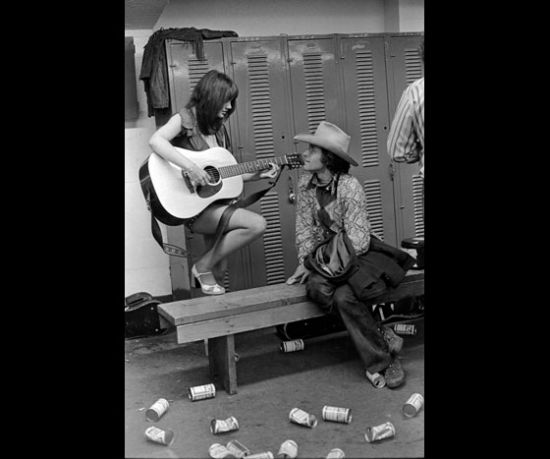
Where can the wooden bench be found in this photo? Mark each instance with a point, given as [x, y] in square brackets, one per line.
[218, 318]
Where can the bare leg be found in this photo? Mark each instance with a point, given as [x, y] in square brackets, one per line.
[243, 228]
[219, 268]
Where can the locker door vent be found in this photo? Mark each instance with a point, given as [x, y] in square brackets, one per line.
[367, 108]
[418, 206]
[197, 68]
[373, 191]
[315, 94]
[260, 101]
[273, 244]
[413, 65]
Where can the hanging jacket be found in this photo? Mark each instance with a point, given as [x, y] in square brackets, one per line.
[153, 66]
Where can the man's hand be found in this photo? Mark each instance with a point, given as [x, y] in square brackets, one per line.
[300, 275]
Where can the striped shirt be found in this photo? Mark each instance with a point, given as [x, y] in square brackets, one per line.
[406, 137]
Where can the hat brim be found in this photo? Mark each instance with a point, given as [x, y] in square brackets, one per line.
[310, 138]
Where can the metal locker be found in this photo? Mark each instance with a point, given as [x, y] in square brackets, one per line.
[366, 120]
[261, 131]
[404, 66]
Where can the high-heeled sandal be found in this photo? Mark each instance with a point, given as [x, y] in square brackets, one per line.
[207, 289]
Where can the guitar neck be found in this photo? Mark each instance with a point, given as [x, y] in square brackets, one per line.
[250, 166]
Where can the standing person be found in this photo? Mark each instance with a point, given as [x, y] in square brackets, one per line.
[406, 137]
[197, 127]
[328, 200]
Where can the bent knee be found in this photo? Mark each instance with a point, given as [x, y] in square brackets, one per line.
[257, 225]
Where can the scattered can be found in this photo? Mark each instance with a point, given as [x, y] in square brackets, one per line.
[405, 329]
[288, 450]
[413, 405]
[237, 448]
[156, 435]
[380, 432]
[265, 455]
[202, 392]
[293, 346]
[218, 451]
[157, 409]
[218, 426]
[298, 416]
[376, 379]
[336, 453]
[336, 414]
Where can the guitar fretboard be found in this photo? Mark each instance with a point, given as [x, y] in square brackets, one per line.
[250, 166]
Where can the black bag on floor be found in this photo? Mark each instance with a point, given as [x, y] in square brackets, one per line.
[141, 315]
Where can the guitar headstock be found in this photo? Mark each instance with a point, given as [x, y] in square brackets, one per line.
[294, 161]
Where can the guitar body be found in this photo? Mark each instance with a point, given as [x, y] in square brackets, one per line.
[170, 196]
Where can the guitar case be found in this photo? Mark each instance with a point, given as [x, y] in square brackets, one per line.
[141, 316]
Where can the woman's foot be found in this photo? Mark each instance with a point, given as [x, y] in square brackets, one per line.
[207, 282]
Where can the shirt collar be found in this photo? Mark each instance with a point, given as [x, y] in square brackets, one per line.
[314, 182]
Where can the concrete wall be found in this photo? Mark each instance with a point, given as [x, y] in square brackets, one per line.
[147, 267]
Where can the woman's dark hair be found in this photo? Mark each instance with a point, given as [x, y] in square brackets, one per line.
[209, 96]
[334, 163]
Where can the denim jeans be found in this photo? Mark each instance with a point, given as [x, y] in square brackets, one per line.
[363, 328]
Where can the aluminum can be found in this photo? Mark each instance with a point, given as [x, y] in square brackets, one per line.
[293, 346]
[380, 432]
[336, 414]
[299, 416]
[288, 450]
[265, 455]
[156, 435]
[202, 392]
[226, 425]
[336, 453]
[218, 451]
[237, 448]
[157, 409]
[405, 329]
[376, 379]
[413, 405]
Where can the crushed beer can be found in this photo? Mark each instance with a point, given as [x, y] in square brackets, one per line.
[237, 449]
[156, 435]
[218, 451]
[298, 416]
[293, 346]
[405, 329]
[264, 455]
[336, 414]
[226, 425]
[376, 379]
[413, 405]
[288, 450]
[157, 409]
[335, 453]
[380, 432]
[202, 392]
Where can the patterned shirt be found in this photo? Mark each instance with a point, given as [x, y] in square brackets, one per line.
[348, 211]
[406, 137]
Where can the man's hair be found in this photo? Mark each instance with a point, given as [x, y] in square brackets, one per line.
[209, 96]
[334, 163]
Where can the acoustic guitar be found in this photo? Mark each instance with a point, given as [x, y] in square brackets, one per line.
[170, 195]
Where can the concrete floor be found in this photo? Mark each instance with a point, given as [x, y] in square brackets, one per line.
[327, 372]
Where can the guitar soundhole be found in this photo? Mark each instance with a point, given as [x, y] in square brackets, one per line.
[214, 175]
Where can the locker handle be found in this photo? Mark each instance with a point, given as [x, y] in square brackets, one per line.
[291, 194]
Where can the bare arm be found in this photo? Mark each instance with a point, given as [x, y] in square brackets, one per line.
[160, 144]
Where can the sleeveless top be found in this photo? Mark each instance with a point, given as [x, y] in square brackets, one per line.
[191, 138]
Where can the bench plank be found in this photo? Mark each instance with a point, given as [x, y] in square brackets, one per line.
[256, 320]
[255, 299]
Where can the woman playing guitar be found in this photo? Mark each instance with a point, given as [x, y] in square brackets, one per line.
[198, 127]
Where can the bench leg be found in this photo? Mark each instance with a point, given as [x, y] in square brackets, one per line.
[221, 356]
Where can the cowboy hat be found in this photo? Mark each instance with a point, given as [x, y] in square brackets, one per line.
[331, 138]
